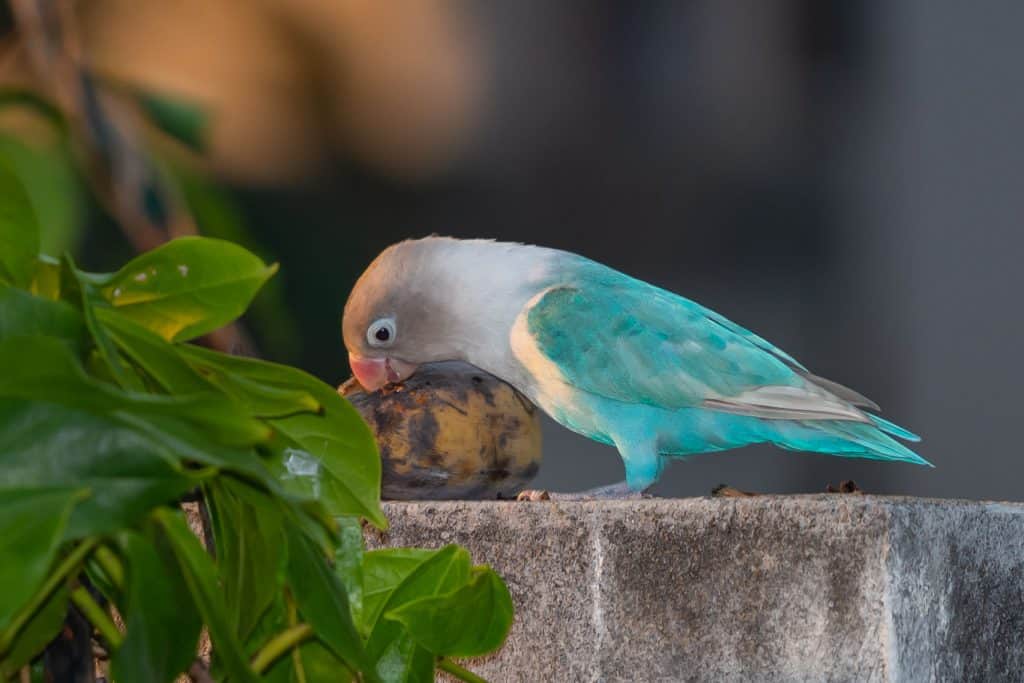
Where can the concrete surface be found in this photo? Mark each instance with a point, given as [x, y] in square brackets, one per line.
[799, 588]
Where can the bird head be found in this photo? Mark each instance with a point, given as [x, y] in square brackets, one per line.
[396, 317]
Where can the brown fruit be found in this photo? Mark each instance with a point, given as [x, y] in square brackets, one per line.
[451, 431]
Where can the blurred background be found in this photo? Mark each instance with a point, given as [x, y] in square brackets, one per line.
[843, 177]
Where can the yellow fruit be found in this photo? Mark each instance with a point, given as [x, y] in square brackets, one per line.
[451, 431]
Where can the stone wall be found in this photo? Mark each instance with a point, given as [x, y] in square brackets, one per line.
[827, 587]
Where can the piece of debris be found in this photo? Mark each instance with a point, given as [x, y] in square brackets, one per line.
[533, 495]
[846, 486]
[726, 491]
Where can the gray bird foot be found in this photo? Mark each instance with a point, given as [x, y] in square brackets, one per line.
[620, 491]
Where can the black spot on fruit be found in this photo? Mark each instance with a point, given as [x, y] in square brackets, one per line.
[423, 430]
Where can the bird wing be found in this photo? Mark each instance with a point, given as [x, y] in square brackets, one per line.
[623, 339]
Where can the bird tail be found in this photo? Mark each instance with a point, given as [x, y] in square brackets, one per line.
[851, 439]
[894, 429]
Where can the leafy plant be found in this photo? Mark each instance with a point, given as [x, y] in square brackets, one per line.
[109, 417]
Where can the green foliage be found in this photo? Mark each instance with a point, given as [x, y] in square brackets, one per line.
[187, 287]
[471, 620]
[37, 632]
[162, 622]
[107, 419]
[19, 233]
[53, 187]
[181, 119]
[32, 523]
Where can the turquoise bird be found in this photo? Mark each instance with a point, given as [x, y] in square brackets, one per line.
[614, 358]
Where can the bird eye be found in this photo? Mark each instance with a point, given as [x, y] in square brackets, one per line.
[381, 332]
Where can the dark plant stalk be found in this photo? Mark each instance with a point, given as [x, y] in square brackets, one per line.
[97, 616]
[66, 568]
[279, 645]
[459, 672]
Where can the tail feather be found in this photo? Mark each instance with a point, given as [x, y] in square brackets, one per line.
[894, 429]
[849, 439]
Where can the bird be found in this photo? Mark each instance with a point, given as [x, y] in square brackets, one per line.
[616, 359]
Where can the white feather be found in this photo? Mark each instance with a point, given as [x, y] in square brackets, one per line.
[809, 402]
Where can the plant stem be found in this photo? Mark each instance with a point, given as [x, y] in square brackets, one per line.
[111, 565]
[293, 619]
[68, 565]
[280, 644]
[97, 616]
[460, 673]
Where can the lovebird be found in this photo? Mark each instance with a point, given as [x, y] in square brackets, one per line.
[616, 359]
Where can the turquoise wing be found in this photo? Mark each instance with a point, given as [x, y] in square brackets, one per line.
[623, 339]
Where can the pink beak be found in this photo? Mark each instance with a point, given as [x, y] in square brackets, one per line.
[373, 373]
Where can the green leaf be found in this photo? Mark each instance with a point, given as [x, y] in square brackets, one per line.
[310, 662]
[259, 397]
[322, 600]
[44, 369]
[151, 352]
[23, 314]
[166, 363]
[331, 455]
[19, 231]
[392, 578]
[251, 550]
[402, 660]
[416, 571]
[49, 445]
[348, 562]
[46, 278]
[320, 665]
[201, 578]
[32, 522]
[162, 623]
[184, 121]
[471, 621]
[56, 191]
[273, 621]
[187, 287]
[189, 443]
[86, 295]
[36, 634]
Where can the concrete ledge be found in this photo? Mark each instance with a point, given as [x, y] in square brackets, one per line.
[830, 587]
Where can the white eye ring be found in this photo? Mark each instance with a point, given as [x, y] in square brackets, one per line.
[381, 333]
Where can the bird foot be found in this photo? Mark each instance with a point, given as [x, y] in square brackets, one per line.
[620, 491]
[726, 491]
[847, 486]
